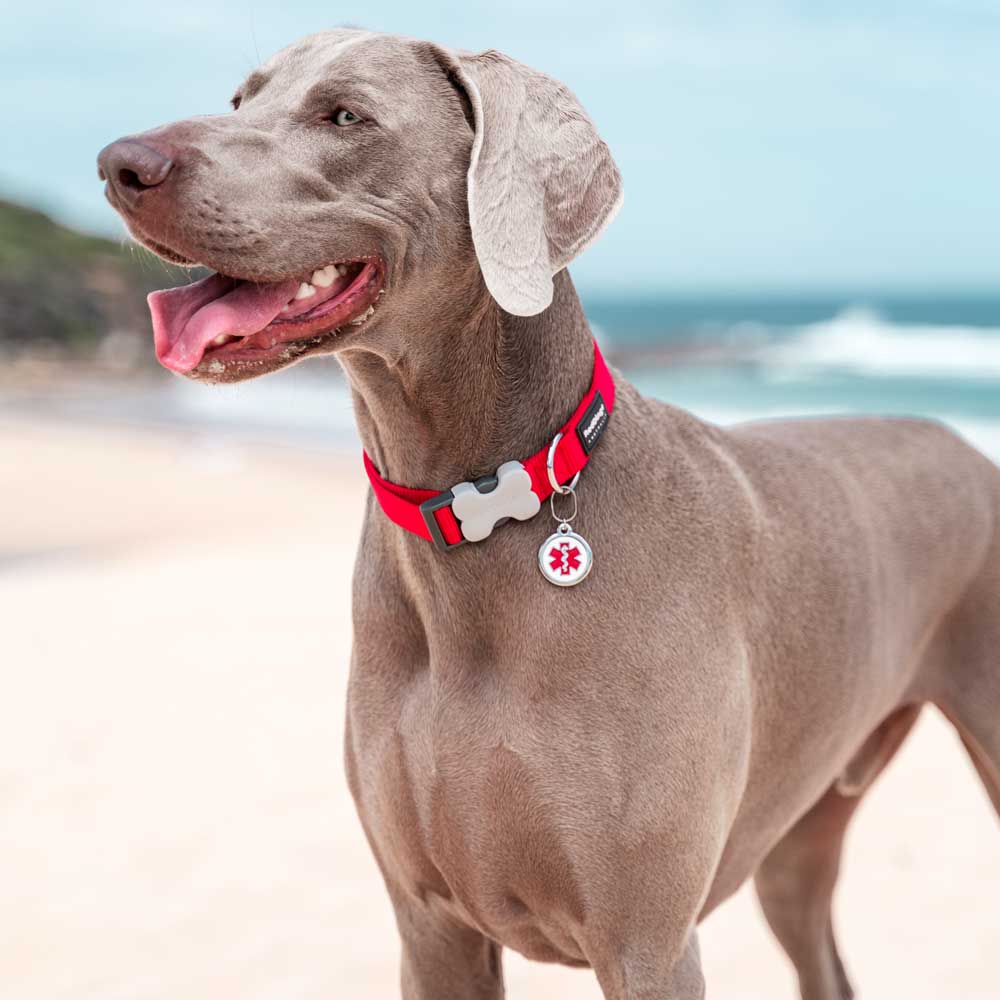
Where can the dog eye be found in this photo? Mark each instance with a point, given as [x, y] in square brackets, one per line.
[344, 117]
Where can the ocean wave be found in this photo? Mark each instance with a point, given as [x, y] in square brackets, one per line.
[861, 341]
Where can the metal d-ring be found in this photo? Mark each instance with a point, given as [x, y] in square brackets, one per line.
[550, 469]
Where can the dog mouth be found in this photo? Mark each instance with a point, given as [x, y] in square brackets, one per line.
[222, 320]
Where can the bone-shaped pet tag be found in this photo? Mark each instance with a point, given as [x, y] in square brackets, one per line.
[512, 496]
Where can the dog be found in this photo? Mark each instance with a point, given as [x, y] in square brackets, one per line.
[760, 612]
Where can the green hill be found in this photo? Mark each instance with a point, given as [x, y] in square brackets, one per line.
[62, 291]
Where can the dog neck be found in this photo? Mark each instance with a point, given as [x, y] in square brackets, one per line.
[455, 400]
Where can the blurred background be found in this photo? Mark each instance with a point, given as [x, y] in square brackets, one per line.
[811, 225]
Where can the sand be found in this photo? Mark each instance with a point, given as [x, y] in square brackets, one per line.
[173, 817]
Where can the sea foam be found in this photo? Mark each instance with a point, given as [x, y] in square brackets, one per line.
[860, 340]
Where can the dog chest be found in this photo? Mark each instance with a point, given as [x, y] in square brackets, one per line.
[473, 825]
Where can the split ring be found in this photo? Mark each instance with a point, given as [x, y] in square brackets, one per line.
[550, 469]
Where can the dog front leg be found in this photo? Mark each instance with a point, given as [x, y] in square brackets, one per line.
[653, 972]
[445, 960]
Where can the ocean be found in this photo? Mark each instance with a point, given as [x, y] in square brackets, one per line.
[726, 359]
[740, 359]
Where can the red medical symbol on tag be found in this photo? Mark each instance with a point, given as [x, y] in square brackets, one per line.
[564, 557]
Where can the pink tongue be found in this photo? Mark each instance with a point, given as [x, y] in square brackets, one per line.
[187, 319]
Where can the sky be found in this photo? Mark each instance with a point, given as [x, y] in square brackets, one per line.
[765, 146]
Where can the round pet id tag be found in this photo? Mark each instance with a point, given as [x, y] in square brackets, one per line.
[565, 557]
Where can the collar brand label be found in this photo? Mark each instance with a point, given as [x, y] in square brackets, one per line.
[593, 423]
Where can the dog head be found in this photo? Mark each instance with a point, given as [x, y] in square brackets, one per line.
[358, 179]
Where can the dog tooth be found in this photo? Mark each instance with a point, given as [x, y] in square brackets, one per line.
[341, 269]
[221, 339]
[305, 291]
[323, 278]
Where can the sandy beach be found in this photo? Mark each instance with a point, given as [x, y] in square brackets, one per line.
[174, 822]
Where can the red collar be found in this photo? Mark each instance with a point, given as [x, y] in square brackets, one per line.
[429, 514]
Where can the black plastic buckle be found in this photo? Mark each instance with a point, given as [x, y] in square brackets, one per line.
[485, 484]
[427, 509]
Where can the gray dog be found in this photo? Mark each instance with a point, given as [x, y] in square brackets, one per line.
[578, 773]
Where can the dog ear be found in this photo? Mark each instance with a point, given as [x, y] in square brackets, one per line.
[542, 184]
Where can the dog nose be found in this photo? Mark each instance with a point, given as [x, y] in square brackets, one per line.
[130, 168]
